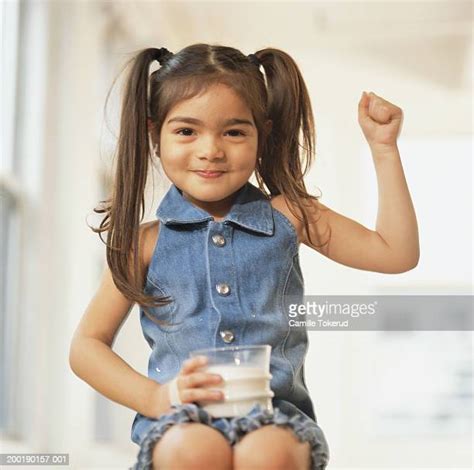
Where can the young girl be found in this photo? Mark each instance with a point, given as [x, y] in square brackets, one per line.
[213, 270]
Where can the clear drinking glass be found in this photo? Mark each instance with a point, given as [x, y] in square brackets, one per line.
[246, 378]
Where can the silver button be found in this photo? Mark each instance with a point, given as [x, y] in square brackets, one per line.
[223, 289]
[218, 240]
[227, 336]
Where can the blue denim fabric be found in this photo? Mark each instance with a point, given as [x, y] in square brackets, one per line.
[259, 262]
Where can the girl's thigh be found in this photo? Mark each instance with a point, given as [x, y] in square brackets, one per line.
[272, 447]
[194, 446]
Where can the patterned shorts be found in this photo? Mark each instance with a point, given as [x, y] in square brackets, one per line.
[234, 429]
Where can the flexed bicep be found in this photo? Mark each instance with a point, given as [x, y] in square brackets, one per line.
[348, 242]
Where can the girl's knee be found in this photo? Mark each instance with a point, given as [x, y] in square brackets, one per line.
[192, 446]
[271, 448]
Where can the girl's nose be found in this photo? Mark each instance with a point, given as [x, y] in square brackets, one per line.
[212, 156]
[212, 151]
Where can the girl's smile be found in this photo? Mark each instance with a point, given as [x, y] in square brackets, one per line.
[210, 174]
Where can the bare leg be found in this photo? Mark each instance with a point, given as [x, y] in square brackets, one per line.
[192, 446]
[272, 448]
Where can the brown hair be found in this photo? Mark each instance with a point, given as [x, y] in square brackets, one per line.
[280, 96]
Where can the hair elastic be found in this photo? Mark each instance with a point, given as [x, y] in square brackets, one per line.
[162, 54]
[254, 59]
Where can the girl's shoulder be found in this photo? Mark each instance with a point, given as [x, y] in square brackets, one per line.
[281, 205]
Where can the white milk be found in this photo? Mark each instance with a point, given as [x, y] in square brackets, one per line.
[243, 387]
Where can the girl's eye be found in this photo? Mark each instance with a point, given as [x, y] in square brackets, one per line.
[235, 130]
[185, 129]
[188, 129]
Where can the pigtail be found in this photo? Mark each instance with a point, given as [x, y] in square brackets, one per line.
[125, 209]
[289, 108]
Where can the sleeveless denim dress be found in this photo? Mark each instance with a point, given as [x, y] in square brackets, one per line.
[228, 281]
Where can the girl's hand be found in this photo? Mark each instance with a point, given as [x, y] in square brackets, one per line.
[189, 383]
[380, 120]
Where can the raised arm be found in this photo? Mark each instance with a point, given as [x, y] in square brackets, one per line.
[393, 247]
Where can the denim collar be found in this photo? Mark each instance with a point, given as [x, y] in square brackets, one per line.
[251, 210]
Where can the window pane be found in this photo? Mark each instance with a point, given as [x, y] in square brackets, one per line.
[6, 213]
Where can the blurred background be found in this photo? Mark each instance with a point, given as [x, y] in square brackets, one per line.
[384, 399]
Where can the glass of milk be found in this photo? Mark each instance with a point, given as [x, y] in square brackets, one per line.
[246, 378]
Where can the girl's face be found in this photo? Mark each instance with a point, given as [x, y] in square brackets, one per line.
[214, 132]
